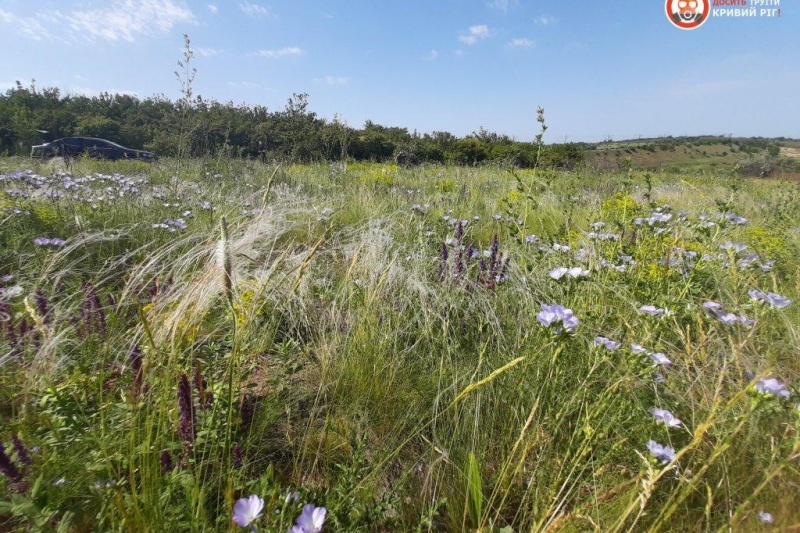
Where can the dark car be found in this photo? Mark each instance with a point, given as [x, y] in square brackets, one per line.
[91, 147]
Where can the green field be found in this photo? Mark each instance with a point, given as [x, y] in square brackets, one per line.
[380, 341]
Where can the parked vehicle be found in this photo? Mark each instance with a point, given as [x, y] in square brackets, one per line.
[90, 147]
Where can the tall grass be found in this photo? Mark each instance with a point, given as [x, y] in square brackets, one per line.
[341, 338]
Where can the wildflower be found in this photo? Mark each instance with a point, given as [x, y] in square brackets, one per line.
[665, 454]
[659, 358]
[776, 301]
[186, 428]
[663, 416]
[772, 386]
[606, 342]
[530, 239]
[310, 520]
[44, 241]
[7, 468]
[560, 247]
[765, 517]
[638, 348]
[736, 219]
[652, 310]
[166, 462]
[22, 452]
[247, 510]
[574, 272]
[10, 292]
[237, 456]
[735, 247]
[292, 497]
[551, 314]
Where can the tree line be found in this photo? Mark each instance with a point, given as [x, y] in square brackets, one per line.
[199, 127]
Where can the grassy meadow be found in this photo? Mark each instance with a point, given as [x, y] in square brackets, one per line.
[434, 348]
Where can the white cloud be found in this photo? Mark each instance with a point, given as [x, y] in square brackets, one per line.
[207, 52]
[255, 10]
[430, 56]
[502, 5]
[544, 20]
[244, 85]
[125, 20]
[116, 20]
[336, 80]
[522, 42]
[476, 33]
[283, 52]
[30, 27]
[213, 8]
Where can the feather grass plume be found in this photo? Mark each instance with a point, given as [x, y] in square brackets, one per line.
[225, 260]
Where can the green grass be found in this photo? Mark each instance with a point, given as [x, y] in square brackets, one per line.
[348, 361]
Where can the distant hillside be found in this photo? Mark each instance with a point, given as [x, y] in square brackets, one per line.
[756, 155]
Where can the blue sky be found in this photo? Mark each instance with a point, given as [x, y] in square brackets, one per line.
[598, 68]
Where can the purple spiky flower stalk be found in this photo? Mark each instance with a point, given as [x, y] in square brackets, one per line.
[41, 305]
[22, 452]
[186, 427]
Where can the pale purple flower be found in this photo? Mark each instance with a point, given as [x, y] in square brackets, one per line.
[663, 416]
[557, 273]
[552, 314]
[560, 247]
[728, 318]
[44, 241]
[531, 239]
[659, 358]
[573, 272]
[765, 517]
[606, 342]
[665, 454]
[736, 219]
[247, 510]
[310, 520]
[713, 306]
[638, 348]
[652, 310]
[778, 301]
[772, 386]
[735, 247]
[759, 296]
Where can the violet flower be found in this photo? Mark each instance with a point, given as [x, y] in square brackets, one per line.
[248, 510]
[552, 314]
[310, 520]
[665, 454]
[663, 416]
[607, 343]
[772, 386]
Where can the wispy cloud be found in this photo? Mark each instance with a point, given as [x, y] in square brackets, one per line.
[502, 5]
[244, 85]
[207, 52]
[476, 33]
[255, 10]
[117, 20]
[213, 8]
[544, 20]
[522, 42]
[333, 80]
[430, 56]
[283, 52]
[30, 27]
[125, 20]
